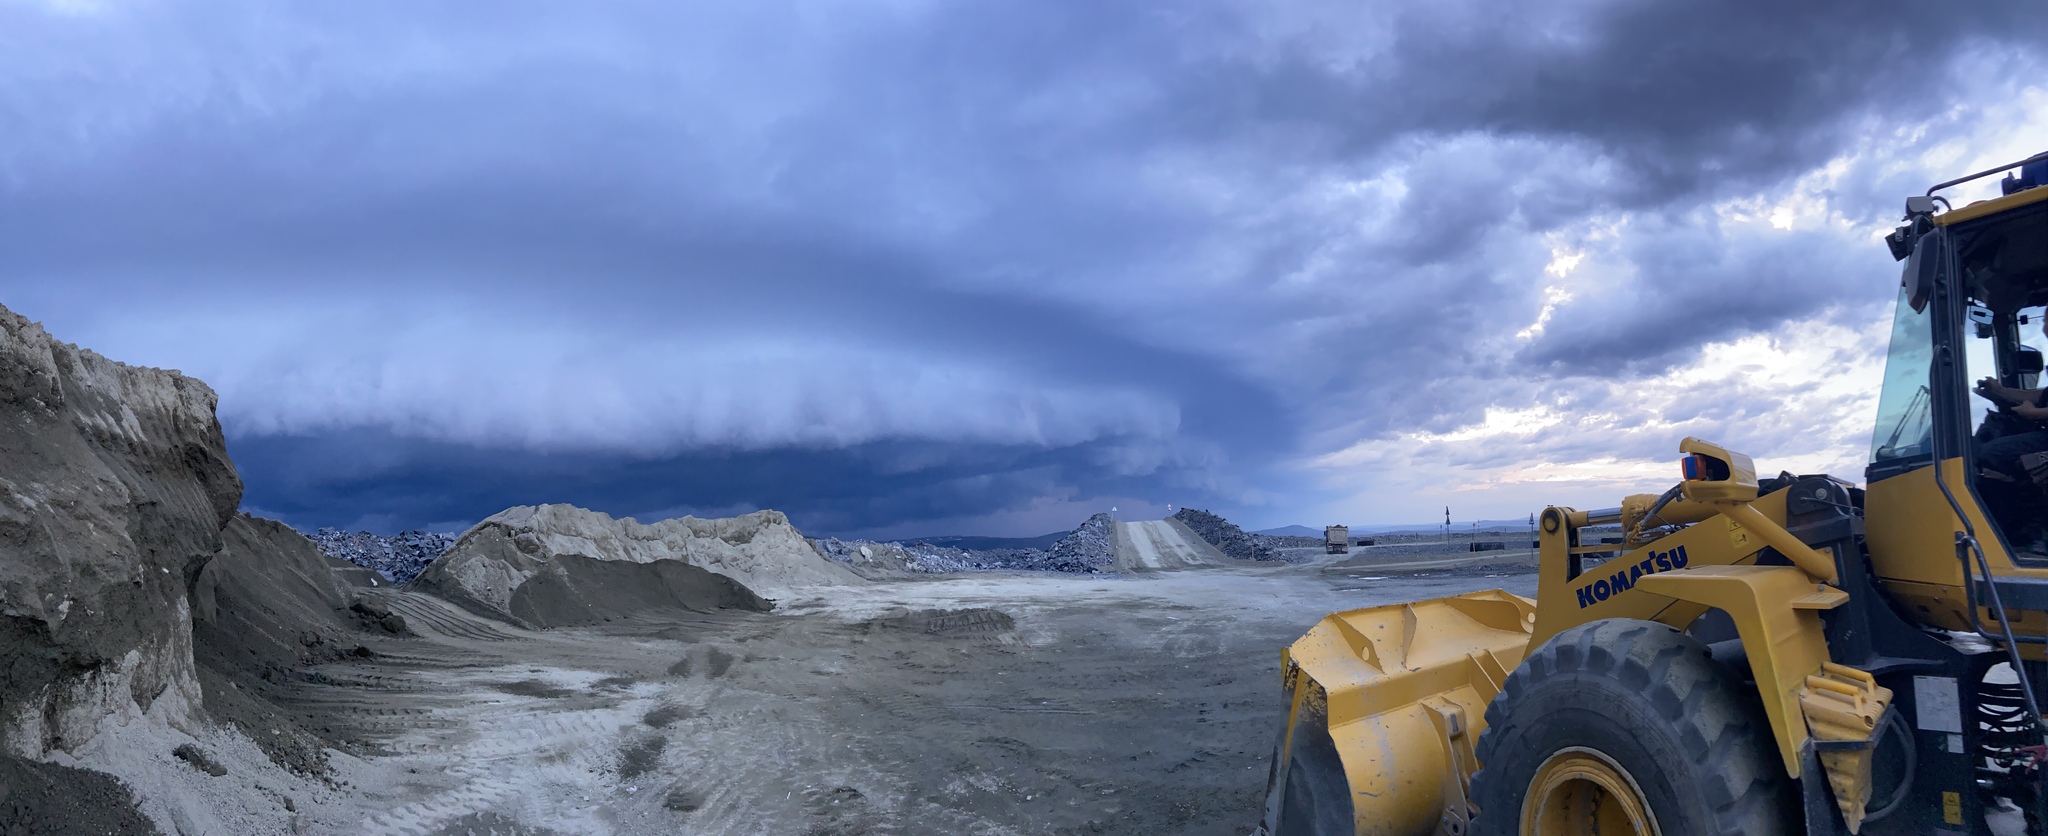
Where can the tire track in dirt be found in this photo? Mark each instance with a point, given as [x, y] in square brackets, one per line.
[423, 817]
[442, 618]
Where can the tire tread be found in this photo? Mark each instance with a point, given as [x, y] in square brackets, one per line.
[1701, 705]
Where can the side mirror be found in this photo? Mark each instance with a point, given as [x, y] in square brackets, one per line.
[1981, 317]
[1918, 278]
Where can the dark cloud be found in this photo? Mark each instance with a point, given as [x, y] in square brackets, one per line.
[1681, 95]
[944, 261]
[383, 482]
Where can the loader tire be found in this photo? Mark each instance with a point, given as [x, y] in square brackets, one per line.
[1307, 793]
[1620, 708]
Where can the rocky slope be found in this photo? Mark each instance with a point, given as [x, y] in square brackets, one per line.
[490, 564]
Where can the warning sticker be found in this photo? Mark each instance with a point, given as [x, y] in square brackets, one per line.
[1739, 538]
[1952, 807]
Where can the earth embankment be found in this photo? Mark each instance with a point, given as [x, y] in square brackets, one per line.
[1163, 544]
[115, 487]
[145, 628]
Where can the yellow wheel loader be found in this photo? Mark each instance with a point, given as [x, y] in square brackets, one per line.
[1791, 654]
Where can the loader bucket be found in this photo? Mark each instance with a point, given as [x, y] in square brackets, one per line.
[1385, 706]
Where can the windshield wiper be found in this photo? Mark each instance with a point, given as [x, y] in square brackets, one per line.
[1914, 407]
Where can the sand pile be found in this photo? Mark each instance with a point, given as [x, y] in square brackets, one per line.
[572, 590]
[267, 605]
[491, 563]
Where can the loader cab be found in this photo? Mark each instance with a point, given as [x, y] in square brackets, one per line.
[1972, 298]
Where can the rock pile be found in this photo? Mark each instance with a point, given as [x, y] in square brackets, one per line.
[1224, 535]
[1089, 548]
[399, 558]
[876, 560]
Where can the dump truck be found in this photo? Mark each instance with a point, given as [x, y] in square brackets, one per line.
[1337, 539]
[1756, 655]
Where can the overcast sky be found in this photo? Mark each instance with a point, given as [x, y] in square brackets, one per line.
[914, 268]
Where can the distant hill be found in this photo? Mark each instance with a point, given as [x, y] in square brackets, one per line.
[1292, 531]
[1043, 541]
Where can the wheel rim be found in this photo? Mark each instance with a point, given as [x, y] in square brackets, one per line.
[1583, 792]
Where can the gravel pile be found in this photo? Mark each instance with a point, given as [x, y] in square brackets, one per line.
[399, 558]
[919, 558]
[1225, 536]
[1089, 548]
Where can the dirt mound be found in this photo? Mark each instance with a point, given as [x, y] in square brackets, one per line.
[1225, 536]
[490, 561]
[572, 590]
[267, 605]
[44, 798]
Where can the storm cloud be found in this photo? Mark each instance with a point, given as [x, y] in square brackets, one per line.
[907, 267]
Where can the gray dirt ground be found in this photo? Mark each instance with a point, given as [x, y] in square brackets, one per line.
[997, 704]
